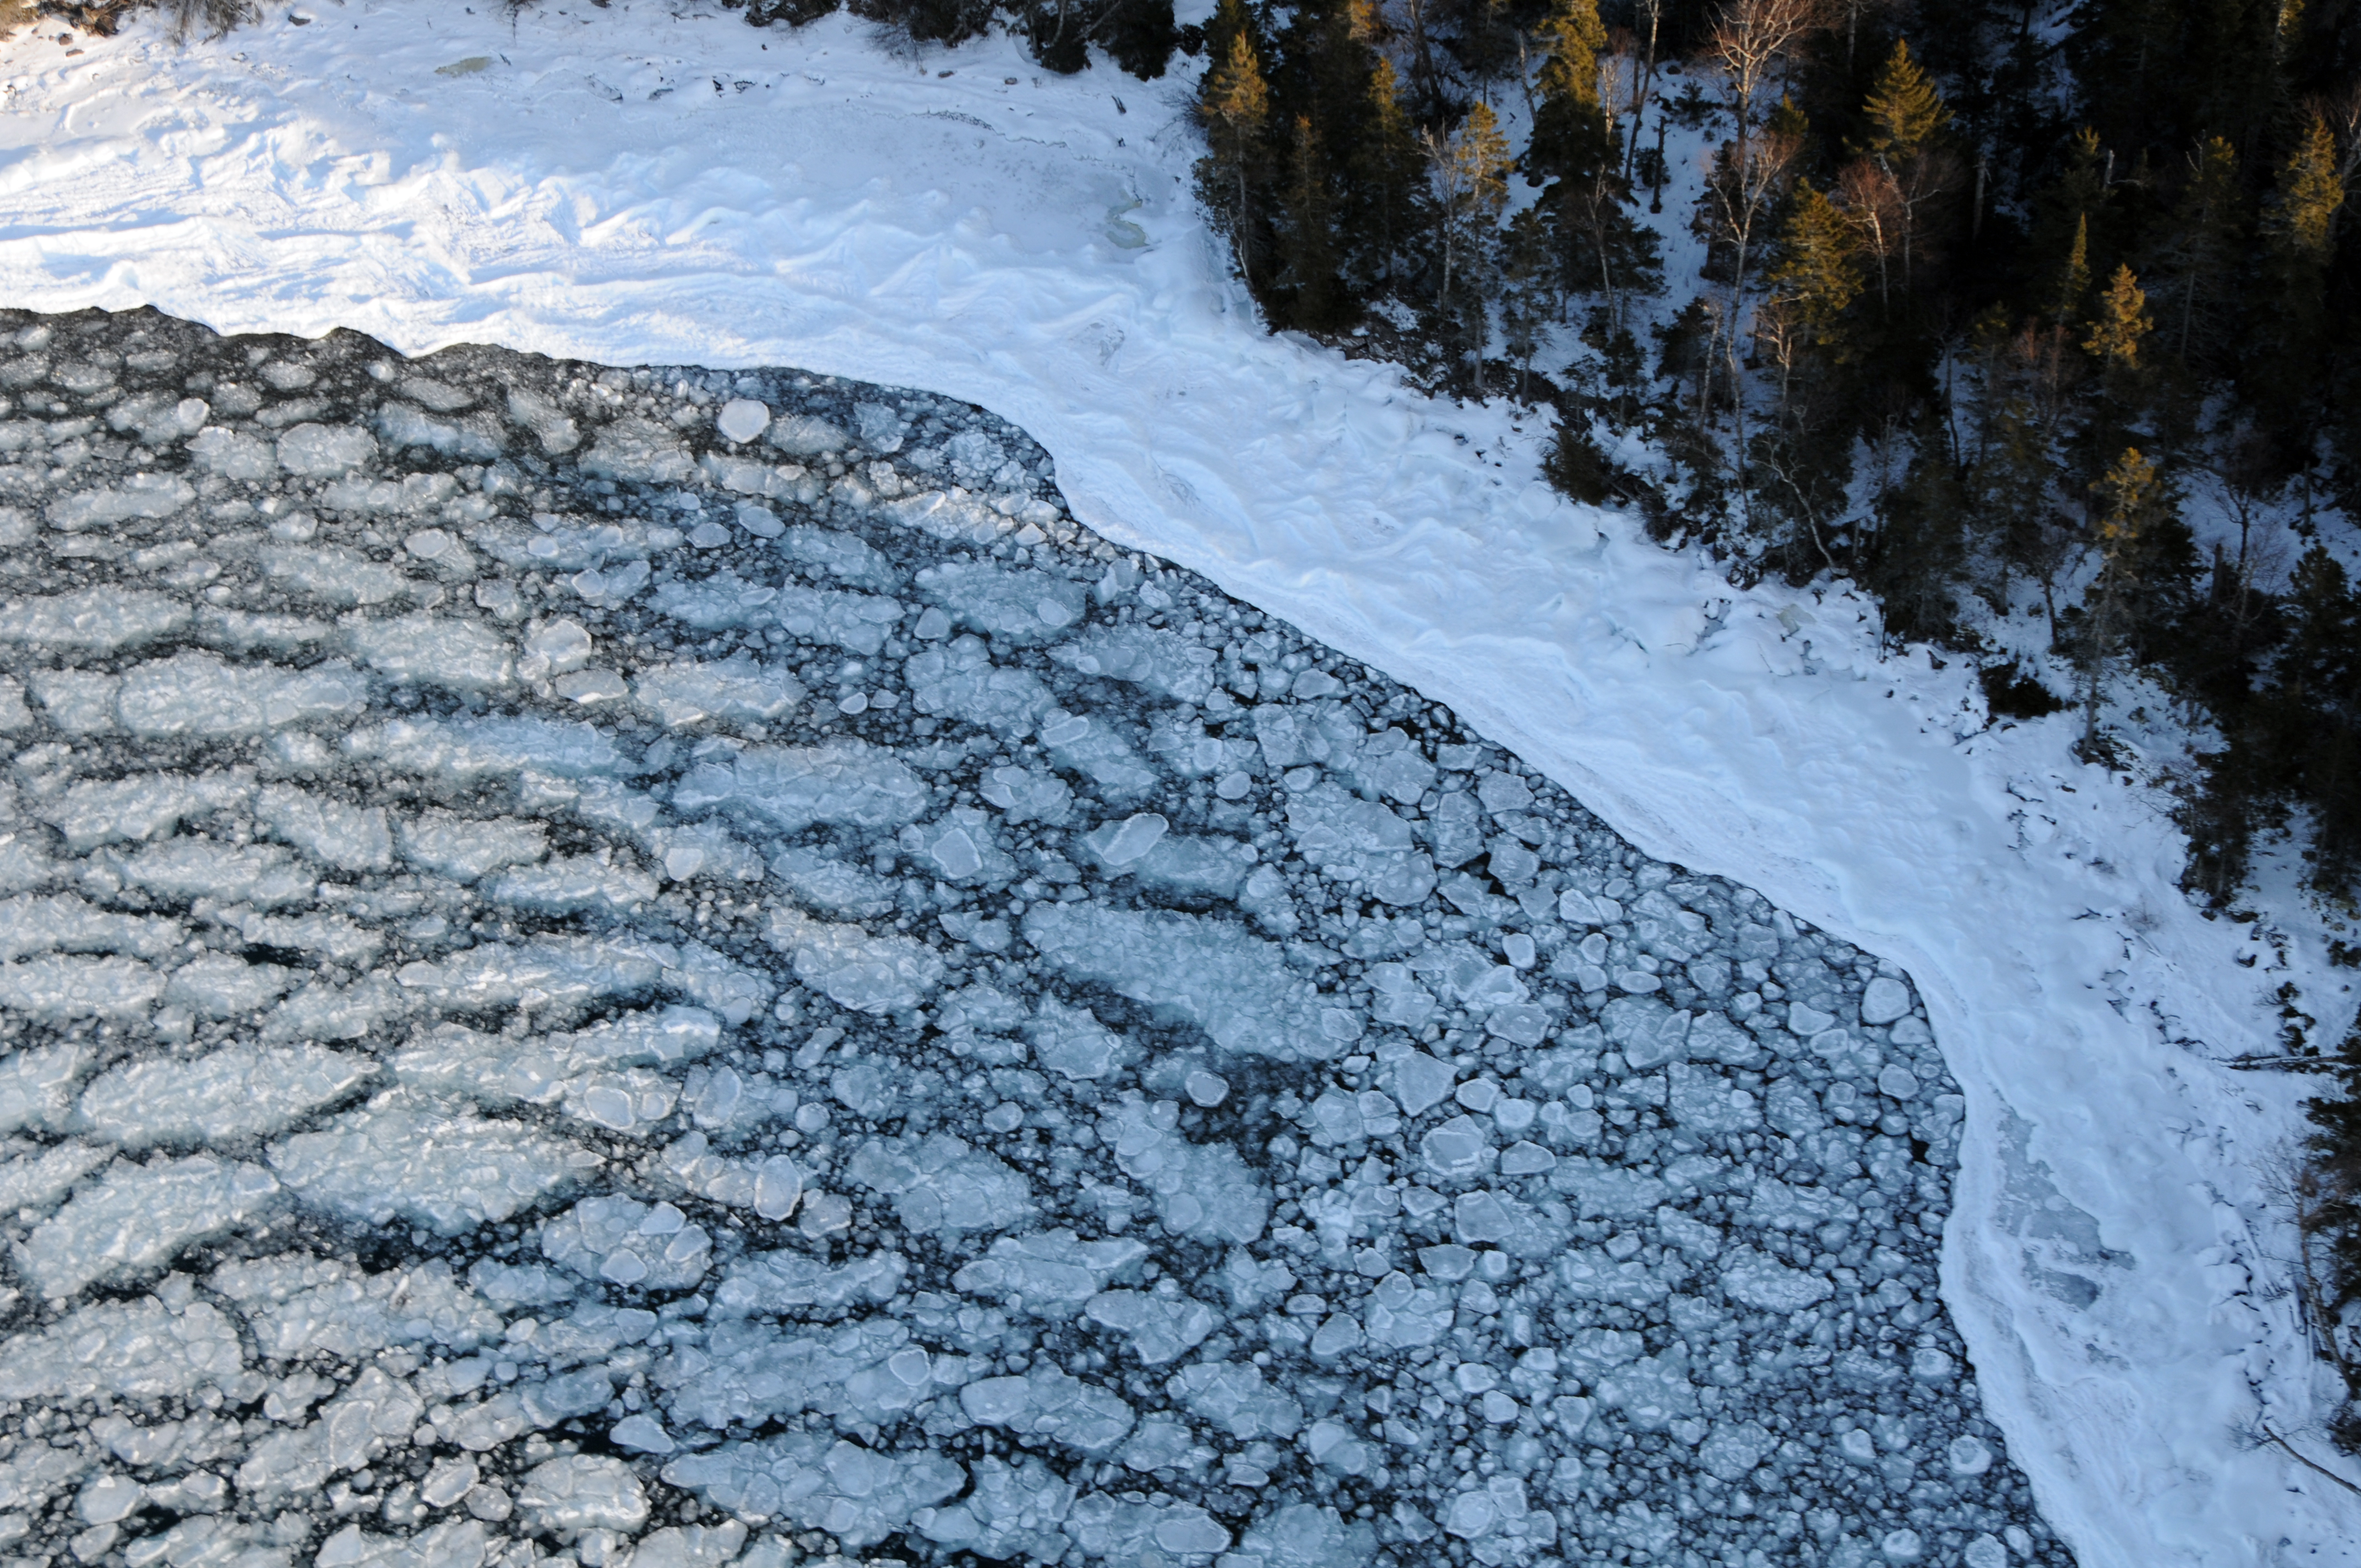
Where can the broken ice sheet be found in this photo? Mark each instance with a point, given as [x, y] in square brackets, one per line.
[675, 967]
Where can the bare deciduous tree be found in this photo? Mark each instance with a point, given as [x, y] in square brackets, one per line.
[1871, 198]
[1751, 37]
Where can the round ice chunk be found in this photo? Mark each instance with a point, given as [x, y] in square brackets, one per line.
[1903, 1546]
[742, 419]
[1898, 1081]
[1885, 1000]
[1968, 1456]
[1208, 1089]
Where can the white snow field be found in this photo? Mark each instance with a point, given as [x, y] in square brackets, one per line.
[630, 186]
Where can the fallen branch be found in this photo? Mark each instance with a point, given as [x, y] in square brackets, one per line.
[2265, 1062]
[2308, 1463]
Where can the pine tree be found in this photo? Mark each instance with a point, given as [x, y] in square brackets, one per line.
[2299, 242]
[1386, 171]
[2121, 325]
[1570, 140]
[1470, 171]
[2075, 282]
[1528, 295]
[2316, 702]
[2202, 247]
[1817, 270]
[2131, 491]
[2303, 214]
[2012, 483]
[1308, 249]
[1140, 35]
[1904, 111]
[2072, 219]
[1234, 103]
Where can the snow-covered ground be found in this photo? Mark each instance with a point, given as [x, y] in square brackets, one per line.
[631, 186]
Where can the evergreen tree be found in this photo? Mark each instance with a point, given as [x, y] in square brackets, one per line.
[1140, 35]
[1906, 119]
[2074, 280]
[1529, 297]
[2304, 211]
[1915, 557]
[1231, 21]
[1574, 153]
[2132, 492]
[1470, 173]
[2012, 485]
[1818, 271]
[1570, 140]
[2201, 251]
[1386, 174]
[1234, 103]
[2072, 218]
[2315, 703]
[2299, 242]
[1904, 111]
[2118, 330]
[1308, 244]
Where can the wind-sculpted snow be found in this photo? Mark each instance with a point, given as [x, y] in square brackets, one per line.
[674, 967]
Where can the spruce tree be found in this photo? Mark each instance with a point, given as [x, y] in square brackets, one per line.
[2302, 218]
[1234, 103]
[1470, 172]
[1904, 111]
[2299, 242]
[1907, 118]
[2072, 219]
[1308, 247]
[2074, 279]
[1140, 35]
[2201, 250]
[1570, 140]
[2131, 492]
[2119, 327]
[1528, 293]
[1818, 271]
[2316, 704]
[1386, 169]
[2012, 483]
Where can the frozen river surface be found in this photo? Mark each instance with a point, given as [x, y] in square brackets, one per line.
[670, 967]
